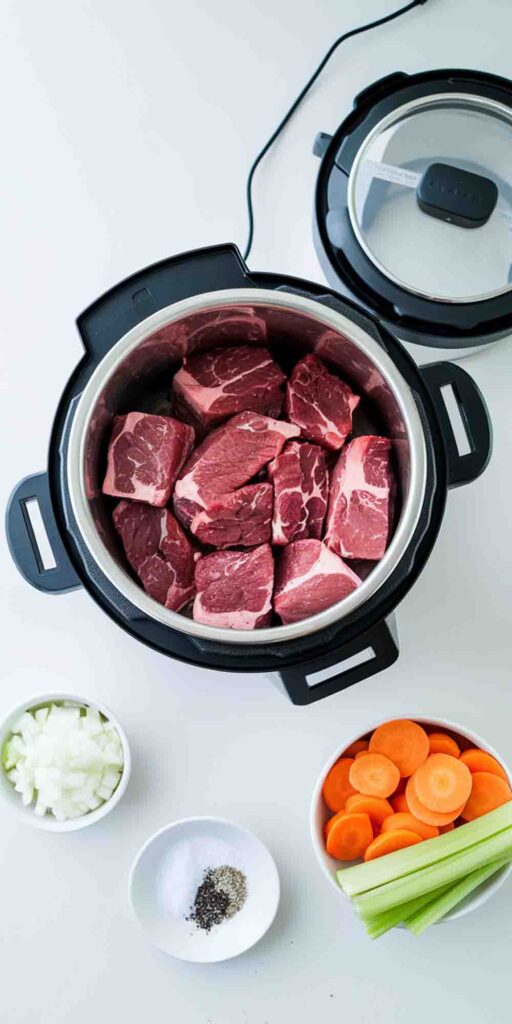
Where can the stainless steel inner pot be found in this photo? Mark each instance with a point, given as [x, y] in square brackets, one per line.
[136, 375]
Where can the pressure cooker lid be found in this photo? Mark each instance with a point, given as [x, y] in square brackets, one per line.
[414, 201]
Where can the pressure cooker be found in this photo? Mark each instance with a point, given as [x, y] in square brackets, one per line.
[136, 335]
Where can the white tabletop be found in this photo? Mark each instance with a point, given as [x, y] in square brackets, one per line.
[127, 130]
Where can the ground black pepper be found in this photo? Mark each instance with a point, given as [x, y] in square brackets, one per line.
[210, 904]
[222, 894]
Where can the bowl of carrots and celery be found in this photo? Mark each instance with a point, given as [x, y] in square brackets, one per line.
[413, 822]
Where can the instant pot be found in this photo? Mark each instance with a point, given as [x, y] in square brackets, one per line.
[134, 337]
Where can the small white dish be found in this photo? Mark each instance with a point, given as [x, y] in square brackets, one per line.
[48, 823]
[319, 813]
[165, 876]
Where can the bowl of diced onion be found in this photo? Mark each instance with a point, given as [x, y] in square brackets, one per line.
[65, 761]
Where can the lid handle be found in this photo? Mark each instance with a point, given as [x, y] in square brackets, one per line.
[456, 196]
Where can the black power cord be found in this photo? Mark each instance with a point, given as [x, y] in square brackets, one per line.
[303, 93]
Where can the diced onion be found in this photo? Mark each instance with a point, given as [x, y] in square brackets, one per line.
[63, 759]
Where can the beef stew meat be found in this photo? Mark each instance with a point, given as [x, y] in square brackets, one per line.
[320, 403]
[241, 518]
[227, 459]
[212, 386]
[301, 487]
[145, 455]
[158, 551]
[358, 519]
[265, 510]
[234, 588]
[310, 578]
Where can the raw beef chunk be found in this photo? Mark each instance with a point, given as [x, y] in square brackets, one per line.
[158, 551]
[240, 519]
[310, 578]
[211, 386]
[320, 403]
[227, 459]
[234, 588]
[358, 518]
[301, 487]
[243, 327]
[145, 455]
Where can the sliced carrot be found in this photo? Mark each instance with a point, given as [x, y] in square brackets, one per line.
[375, 807]
[442, 783]
[349, 836]
[330, 822]
[424, 813]
[404, 742]
[374, 775]
[362, 753]
[446, 828]
[399, 803]
[389, 842]
[406, 820]
[441, 743]
[480, 761]
[488, 791]
[358, 747]
[336, 786]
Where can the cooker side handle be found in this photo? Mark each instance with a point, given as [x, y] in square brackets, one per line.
[379, 644]
[53, 579]
[462, 469]
[137, 297]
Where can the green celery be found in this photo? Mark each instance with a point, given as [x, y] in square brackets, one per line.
[363, 877]
[438, 908]
[449, 869]
[378, 924]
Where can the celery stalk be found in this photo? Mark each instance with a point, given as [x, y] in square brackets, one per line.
[363, 877]
[378, 924]
[368, 917]
[449, 869]
[438, 908]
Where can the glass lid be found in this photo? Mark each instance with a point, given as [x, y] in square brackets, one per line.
[430, 197]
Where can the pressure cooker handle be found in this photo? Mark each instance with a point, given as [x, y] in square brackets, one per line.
[373, 651]
[462, 468]
[157, 286]
[57, 577]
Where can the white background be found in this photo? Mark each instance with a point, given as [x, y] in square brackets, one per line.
[127, 130]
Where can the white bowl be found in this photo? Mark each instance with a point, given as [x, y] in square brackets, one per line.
[161, 905]
[48, 822]
[319, 813]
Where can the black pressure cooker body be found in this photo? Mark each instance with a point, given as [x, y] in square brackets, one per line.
[323, 661]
